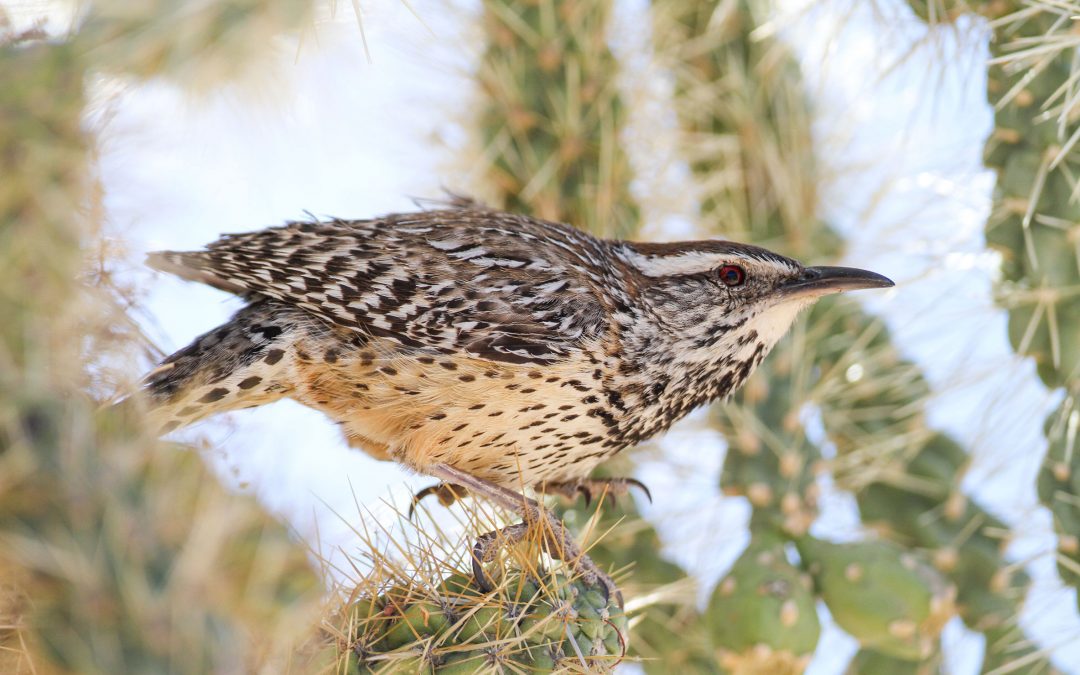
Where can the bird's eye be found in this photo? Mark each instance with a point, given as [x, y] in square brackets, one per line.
[732, 275]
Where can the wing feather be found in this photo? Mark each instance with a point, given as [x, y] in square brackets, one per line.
[499, 286]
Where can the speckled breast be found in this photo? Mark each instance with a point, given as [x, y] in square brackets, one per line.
[514, 424]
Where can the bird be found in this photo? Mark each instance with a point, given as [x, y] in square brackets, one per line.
[492, 351]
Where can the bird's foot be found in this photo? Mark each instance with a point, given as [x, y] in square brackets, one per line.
[589, 487]
[556, 539]
[447, 493]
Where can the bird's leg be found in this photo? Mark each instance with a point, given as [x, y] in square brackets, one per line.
[555, 537]
[447, 493]
[588, 487]
[487, 546]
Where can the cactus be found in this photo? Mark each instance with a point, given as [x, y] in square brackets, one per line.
[762, 617]
[668, 633]
[770, 461]
[839, 359]
[1059, 486]
[907, 484]
[129, 556]
[1034, 225]
[550, 122]
[199, 45]
[887, 598]
[551, 114]
[1035, 215]
[14, 657]
[529, 623]
[417, 609]
[870, 661]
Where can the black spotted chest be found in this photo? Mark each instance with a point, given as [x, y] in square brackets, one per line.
[500, 421]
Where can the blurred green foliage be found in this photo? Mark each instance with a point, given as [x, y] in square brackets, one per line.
[130, 555]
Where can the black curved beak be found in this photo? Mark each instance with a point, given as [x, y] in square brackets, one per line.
[825, 280]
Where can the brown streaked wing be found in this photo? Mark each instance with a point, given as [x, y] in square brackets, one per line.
[498, 286]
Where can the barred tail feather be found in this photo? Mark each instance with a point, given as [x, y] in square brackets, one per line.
[192, 266]
[243, 363]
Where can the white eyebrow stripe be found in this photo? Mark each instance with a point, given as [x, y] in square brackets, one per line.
[690, 262]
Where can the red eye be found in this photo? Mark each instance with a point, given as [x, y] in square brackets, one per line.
[732, 275]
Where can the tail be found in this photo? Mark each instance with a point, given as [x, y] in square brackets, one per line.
[192, 266]
[246, 362]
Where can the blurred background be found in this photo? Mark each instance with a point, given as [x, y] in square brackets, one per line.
[931, 142]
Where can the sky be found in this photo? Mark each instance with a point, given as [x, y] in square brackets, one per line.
[336, 132]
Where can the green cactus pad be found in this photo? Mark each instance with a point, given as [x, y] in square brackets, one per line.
[885, 597]
[1059, 485]
[762, 616]
[870, 662]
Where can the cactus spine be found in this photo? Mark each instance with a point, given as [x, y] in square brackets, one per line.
[133, 558]
[1035, 225]
[839, 359]
[407, 620]
[550, 122]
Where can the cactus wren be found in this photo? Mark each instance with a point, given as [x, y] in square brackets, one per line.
[492, 351]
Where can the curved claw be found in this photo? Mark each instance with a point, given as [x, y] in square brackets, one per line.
[641, 486]
[447, 493]
[607, 587]
[586, 493]
[611, 488]
[487, 545]
[483, 582]
[419, 496]
[555, 537]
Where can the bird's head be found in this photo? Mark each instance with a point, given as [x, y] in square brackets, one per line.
[729, 302]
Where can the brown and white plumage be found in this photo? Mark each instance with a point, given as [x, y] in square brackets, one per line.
[514, 349]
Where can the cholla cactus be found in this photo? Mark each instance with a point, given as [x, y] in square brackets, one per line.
[763, 616]
[889, 599]
[1035, 224]
[551, 114]
[420, 609]
[870, 661]
[550, 121]
[923, 508]
[906, 477]
[732, 111]
[752, 149]
[200, 44]
[667, 631]
[1059, 485]
[131, 557]
[1031, 83]
[14, 655]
